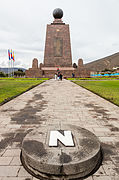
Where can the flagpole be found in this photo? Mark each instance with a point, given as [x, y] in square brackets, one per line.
[13, 68]
[13, 63]
[9, 63]
[9, 69]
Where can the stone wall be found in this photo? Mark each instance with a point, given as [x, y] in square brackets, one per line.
[37, 73]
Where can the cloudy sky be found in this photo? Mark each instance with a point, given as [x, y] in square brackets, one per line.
[94, 28]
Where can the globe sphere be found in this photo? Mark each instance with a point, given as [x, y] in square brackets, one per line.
[58, 13]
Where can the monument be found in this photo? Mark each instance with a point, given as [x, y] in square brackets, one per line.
[57, 54]
[57, 46]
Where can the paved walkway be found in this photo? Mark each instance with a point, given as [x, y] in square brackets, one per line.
[59, 102]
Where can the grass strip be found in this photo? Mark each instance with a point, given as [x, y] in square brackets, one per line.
[10, 88]
[97, 78]
[106, 89]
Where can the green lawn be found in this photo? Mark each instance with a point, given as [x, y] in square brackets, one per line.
[107, 89]
[94, 78]
[10, 87]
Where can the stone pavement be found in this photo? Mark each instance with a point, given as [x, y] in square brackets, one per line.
[58, 102]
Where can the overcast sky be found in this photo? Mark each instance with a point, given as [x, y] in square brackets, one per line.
[94, 28]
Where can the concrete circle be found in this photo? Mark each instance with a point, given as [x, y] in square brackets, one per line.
[60, 162]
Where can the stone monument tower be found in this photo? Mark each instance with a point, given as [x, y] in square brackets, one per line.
[57, 45]
[57, 53]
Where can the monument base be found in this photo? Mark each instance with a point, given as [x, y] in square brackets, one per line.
[49, 72]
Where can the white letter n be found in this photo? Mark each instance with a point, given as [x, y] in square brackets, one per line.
[65, 139]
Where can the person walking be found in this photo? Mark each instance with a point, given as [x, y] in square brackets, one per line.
[60, 76]
[55, 76]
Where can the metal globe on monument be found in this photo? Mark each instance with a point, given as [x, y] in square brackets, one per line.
[57, 13]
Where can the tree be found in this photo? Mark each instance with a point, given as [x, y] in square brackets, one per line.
[2, 74]
[20, 70]
[105, 70]
[19, 73]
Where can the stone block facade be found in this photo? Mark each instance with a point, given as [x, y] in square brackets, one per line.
[35, 63]
[50, 72]
[57, 45]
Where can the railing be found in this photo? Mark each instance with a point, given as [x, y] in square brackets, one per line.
[103, 75]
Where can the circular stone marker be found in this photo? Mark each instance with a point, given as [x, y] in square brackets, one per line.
[75, 153]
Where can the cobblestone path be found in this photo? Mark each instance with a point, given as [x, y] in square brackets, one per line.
[58, 102]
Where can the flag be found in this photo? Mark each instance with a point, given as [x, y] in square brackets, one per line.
[13, 56]
[9, 54]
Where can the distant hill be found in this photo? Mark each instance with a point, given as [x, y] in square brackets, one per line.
[104, 63]
[5, 70]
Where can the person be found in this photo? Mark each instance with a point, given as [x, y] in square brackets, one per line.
[55, 76]
[73, 75]
[60, 76]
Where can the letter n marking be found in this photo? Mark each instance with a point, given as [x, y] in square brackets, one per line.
[65, 139]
